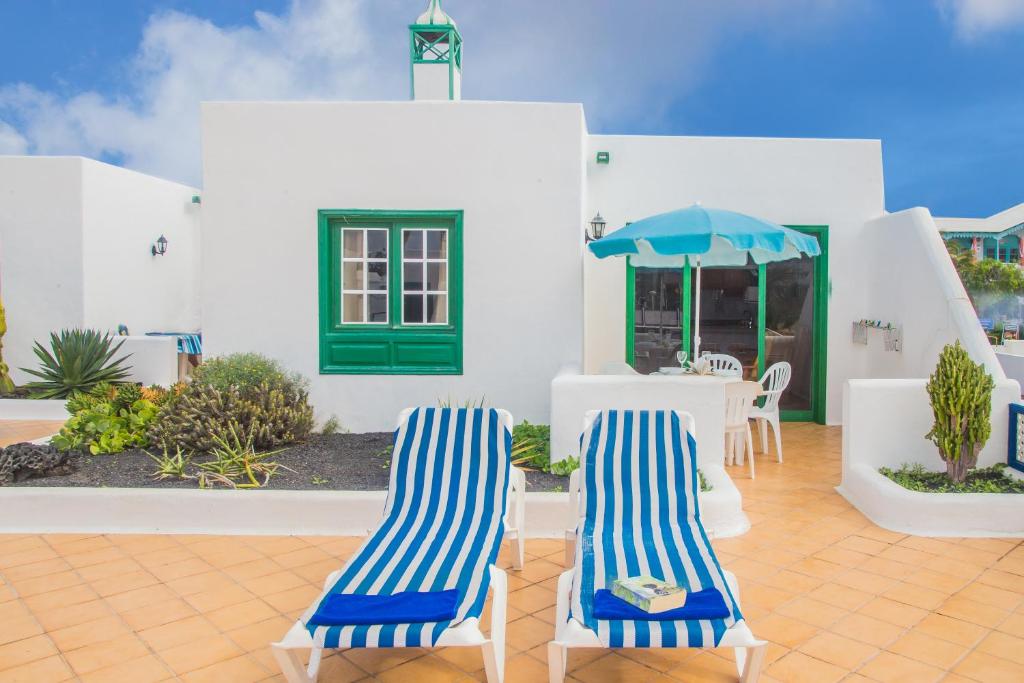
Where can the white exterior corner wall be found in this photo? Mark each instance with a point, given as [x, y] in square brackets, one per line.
[41, 266]
[835, 183]
[75, 237]
[885, 422]
[124, 213]
[911, 281]
[514, 169]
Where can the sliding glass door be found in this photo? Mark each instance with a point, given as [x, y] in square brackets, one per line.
[758, 314]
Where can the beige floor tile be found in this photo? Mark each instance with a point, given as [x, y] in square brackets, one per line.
[49, 669]
[893, 612]
[928, 649]
[838, 650]
[179, 632]
[146, 669]
[157, 614]
[89, 633]
[199, 654]
[867, 629]
[980, 666]
[105, 654]
[242, 614]
[954, 630]
[260, 634]
[798, 667]
[888, 667]
[237, 670]
[26, 650]
[1005, 646]
[975, 612]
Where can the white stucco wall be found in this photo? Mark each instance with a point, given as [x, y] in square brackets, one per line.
[515, 169]
[124, 213]
[837, 183]
[911, 281]
[40, 252]
[74, 251]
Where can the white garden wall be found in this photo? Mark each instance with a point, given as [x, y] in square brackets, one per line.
[124, 213]
[75, 238]
[515, 169]
[837, 183]
[40, 252]
[911, 281]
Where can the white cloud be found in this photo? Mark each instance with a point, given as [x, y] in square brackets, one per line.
[11, 142]
[626, 62]
[976, 18]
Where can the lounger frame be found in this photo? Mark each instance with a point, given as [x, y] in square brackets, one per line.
[289, 650]
[570, 633]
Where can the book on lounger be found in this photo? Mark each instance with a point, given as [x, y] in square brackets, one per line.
[649, 594]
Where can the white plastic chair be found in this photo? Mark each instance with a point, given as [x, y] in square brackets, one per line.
[724, 364]
[739, 400]
[773, 383]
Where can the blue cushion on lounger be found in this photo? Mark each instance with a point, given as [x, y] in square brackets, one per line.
[704, 604]
[343, 609]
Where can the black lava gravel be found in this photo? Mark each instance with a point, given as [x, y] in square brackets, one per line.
[351, 462]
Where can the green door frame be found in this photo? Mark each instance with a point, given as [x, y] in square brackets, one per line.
[819, 332]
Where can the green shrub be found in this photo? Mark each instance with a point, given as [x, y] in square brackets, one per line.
[961, 396]
[77, 361]
[107, 419]
[245, 372]
[202, 414]
[565, 467]
[332, 425]
[236, 464]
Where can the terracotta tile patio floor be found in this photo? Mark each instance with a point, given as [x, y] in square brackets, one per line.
[13, 431]
[837, 597]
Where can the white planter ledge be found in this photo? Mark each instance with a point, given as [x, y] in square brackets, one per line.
[32, 409]
[721, 508]
[893, 507]
[46, 509]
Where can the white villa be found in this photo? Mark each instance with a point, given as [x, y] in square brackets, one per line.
[398, 253]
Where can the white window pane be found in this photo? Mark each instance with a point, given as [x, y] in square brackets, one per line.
[437, 277]
[437, 244]
[437, 308]
[412, 241]
[352, 308]
[377, 243]
[377, 276]
[377, 308]
[353, 243]
[412, 277]
[353, 275]
[413, 308]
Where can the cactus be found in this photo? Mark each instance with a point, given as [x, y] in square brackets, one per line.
[6, 383]
[961, 396]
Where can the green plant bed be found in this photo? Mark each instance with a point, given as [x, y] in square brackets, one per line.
[981, 480]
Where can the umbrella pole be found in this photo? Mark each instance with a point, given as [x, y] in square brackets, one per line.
[696, 315]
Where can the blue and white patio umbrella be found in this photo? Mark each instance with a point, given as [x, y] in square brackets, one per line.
[702, 236]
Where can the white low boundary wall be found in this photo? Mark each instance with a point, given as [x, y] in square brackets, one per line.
[573, 394]
[43, 509]
[32, 409]
[885, 422]
[153, 360]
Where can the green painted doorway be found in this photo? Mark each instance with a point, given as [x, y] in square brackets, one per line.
[759, 314]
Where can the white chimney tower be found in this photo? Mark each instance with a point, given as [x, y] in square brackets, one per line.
[436, 56]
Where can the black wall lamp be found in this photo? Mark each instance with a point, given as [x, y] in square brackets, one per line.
[597, 225]
[160, 248]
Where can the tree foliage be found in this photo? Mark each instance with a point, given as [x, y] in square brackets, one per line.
[985, 275]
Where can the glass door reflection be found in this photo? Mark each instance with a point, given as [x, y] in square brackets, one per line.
[728, 315]
[657, 318]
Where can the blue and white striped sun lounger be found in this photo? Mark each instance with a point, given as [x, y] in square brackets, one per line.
[444, 521]
[639, 515]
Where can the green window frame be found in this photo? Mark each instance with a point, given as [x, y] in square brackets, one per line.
[390, 345]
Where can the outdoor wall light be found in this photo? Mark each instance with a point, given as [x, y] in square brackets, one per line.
[597, 224]
[160, 248]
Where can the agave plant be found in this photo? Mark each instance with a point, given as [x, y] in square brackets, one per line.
[78, 360]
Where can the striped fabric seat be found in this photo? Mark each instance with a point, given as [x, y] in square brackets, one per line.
[640, 517]
[442, 528]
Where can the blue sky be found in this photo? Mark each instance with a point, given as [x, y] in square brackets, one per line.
[941, 82]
